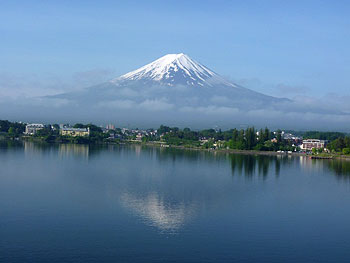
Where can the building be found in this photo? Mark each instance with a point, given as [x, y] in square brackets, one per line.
[32, 128]
[295, 140]
[139, 137]
[309, 144]
[110, 127]
[75, 132]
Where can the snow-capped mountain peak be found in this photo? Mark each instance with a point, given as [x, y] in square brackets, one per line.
[173, 81]
[171, 69]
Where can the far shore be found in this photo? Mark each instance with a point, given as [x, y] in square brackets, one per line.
[247, 152]
[229, 151]
[252, 152]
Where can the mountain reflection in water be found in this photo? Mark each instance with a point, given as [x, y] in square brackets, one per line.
[155, 184]
[155, 211]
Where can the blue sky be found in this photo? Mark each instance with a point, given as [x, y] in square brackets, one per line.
[282, 48]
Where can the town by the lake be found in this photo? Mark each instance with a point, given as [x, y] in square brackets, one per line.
[315, 143]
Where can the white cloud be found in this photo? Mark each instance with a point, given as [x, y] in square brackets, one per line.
[127, 92]
[156, 105]
[117, 104]
[148, 104]
[220, 99]
[209, 110]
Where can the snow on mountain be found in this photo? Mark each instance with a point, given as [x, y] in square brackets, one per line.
[172, 70]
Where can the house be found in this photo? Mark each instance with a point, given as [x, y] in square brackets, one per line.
[295, 140]
[203, 140]
[309, 144]
[32, 128]
[274, 140]
[75, 132]
[139, 137]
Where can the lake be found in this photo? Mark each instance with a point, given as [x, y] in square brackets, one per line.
[80, 203]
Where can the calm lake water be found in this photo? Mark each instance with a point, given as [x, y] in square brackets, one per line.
[78, 203]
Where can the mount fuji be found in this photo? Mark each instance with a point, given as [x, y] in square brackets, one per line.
[174, 81]
[177, 90]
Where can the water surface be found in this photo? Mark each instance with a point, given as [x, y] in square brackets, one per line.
[79, 203]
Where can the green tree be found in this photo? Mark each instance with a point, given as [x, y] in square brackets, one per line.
[346, 151]
[267, 134]
[163, 129]
[279, 136]
[11, 132]
[234, 135]
[79, 125]
[250, 137]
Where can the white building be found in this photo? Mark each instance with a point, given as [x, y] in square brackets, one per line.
[75, 132]
[309, 144]
[139, 137]
[32, 128]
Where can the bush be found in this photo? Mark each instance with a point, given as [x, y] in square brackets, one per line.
[346, 151]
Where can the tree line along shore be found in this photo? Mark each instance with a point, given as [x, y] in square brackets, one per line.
[242, 140]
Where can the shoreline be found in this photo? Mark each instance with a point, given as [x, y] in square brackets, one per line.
[233, 151]
[246, 152]
[249, 152]
[228, 151]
